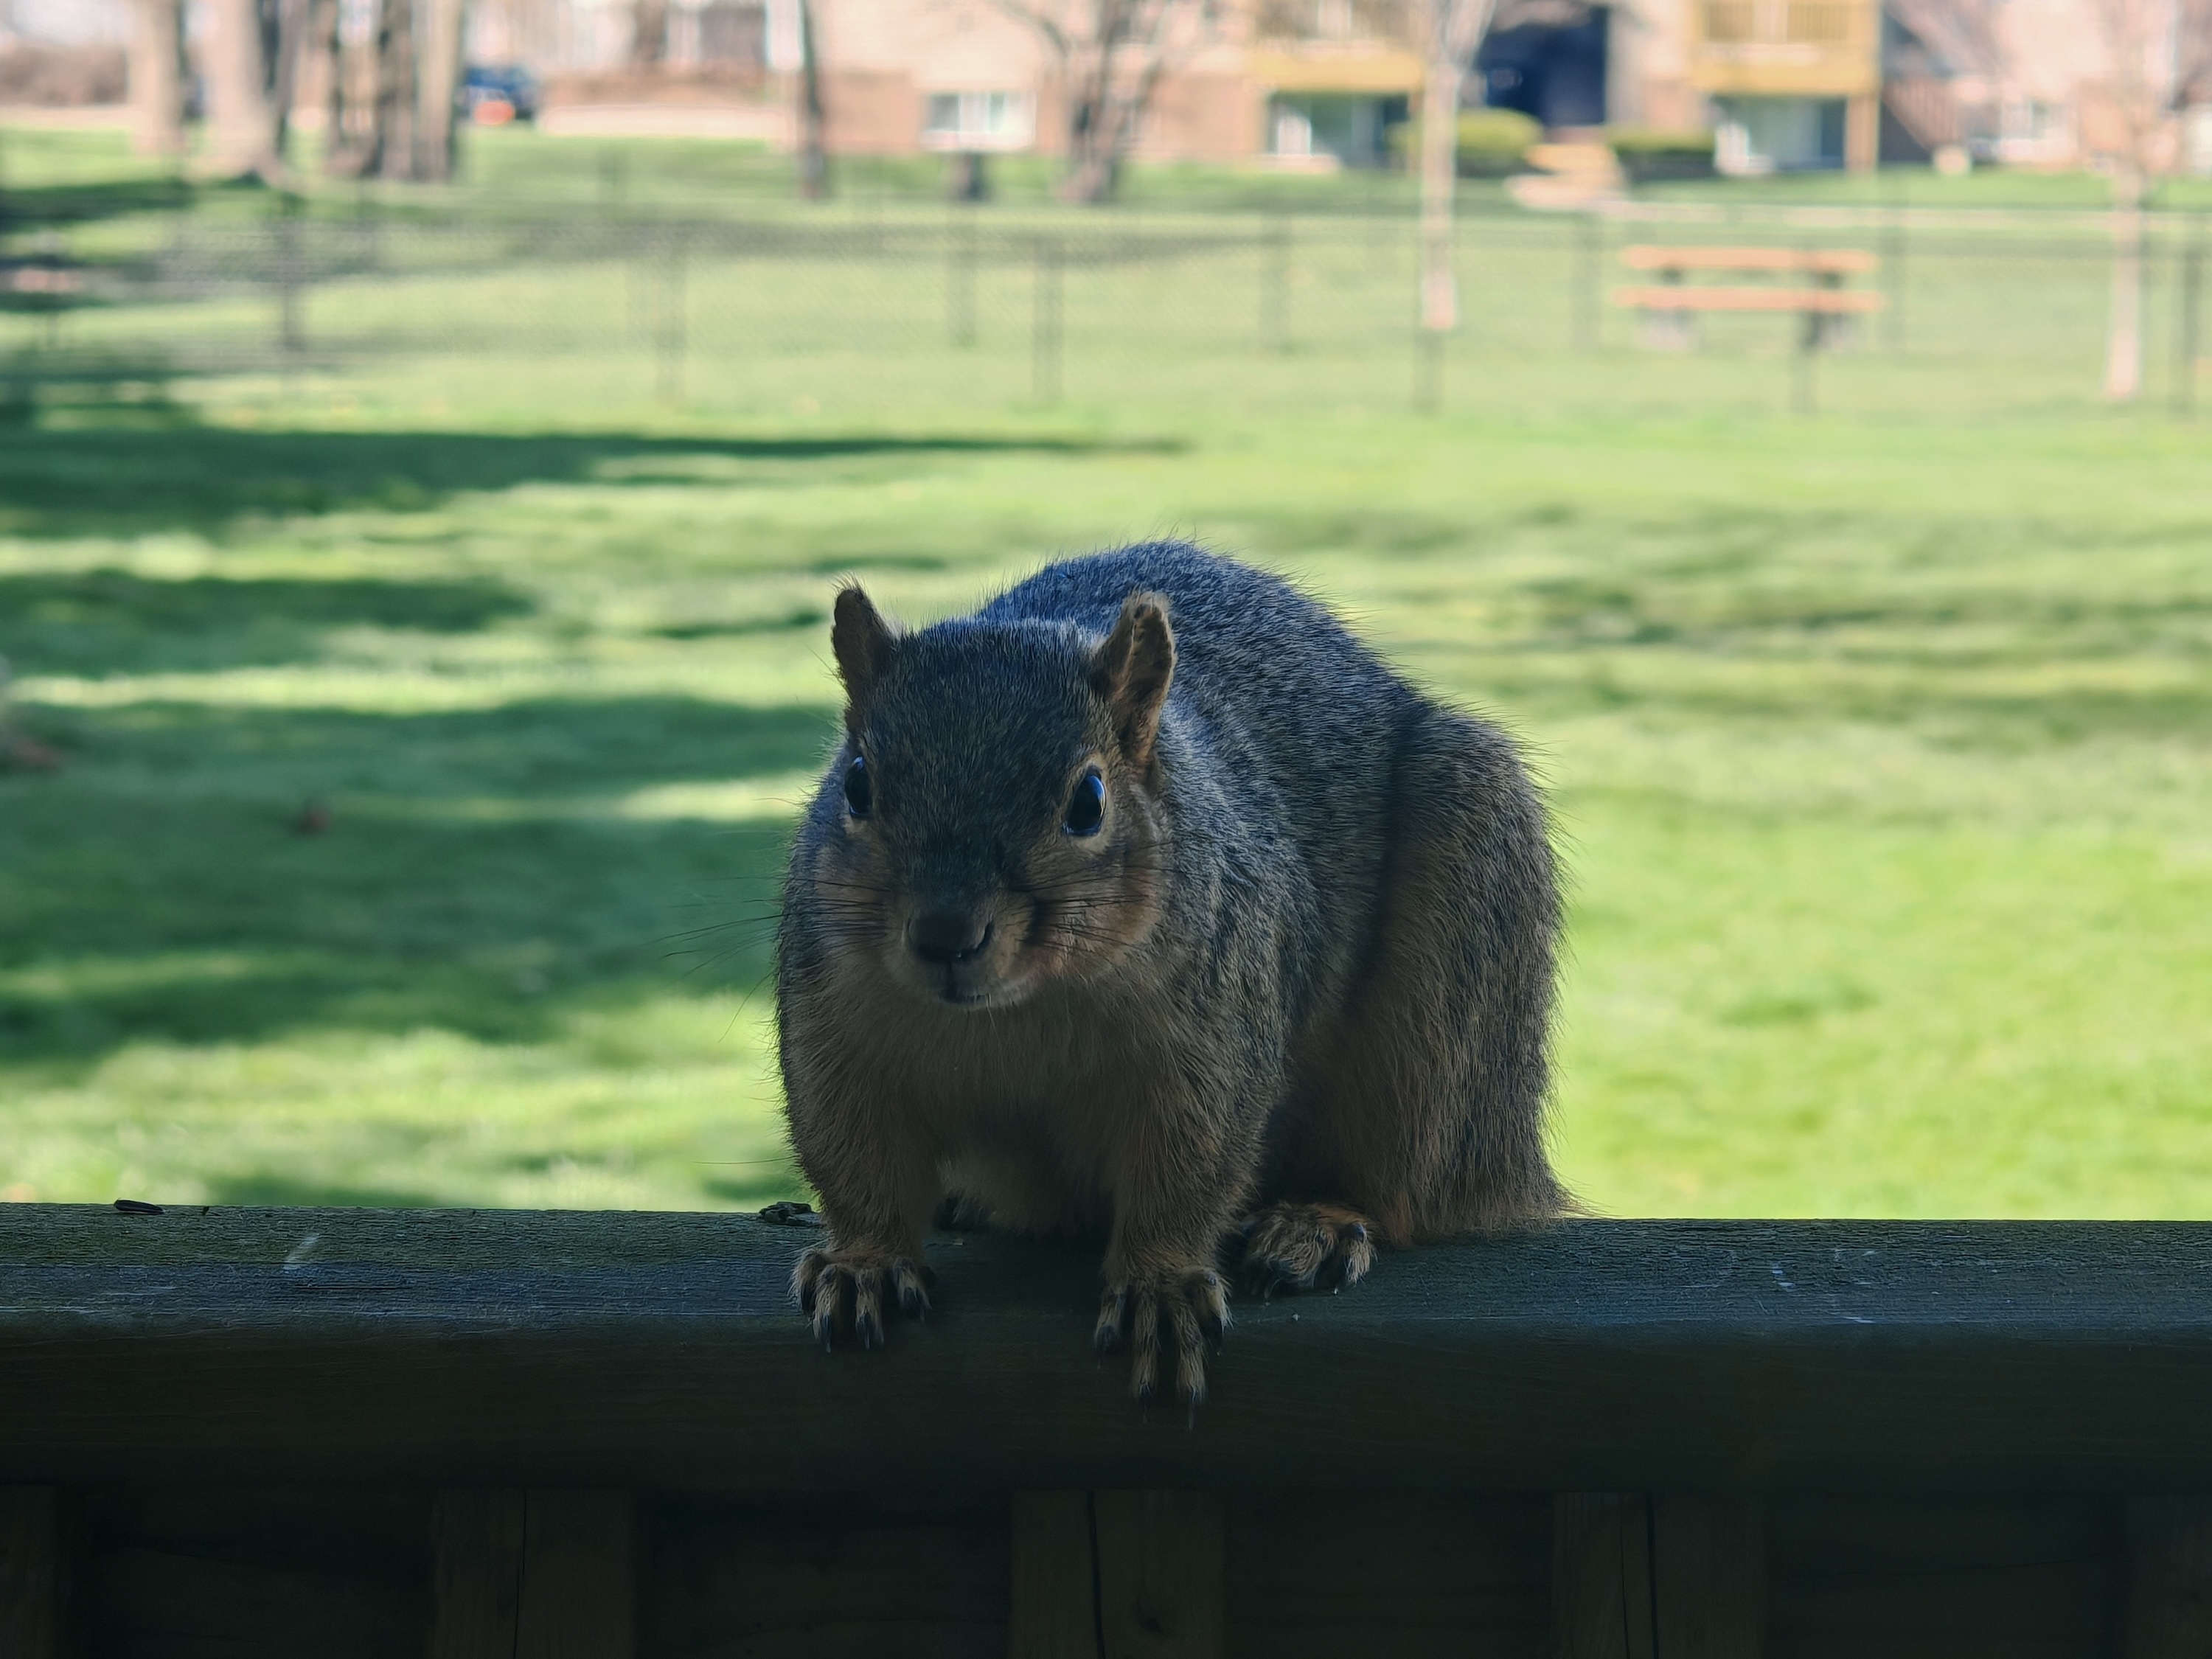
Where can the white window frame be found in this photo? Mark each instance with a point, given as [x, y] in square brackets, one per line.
[995, 119]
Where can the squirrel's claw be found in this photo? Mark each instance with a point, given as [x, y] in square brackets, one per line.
[1194, 1307]
[830, 1288]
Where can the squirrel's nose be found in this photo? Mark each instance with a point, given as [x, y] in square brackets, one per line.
[943, 936]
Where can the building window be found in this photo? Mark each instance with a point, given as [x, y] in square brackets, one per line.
[978, 120]
[1785, 135]
[1333, 129]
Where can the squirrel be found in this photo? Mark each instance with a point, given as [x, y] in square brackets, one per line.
[1146, 901]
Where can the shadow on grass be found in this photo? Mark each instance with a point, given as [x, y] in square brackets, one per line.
[26, 206]
[109, 621]
[118, 482]
[477, 875]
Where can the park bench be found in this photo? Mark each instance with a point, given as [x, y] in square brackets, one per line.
[1815, 293]
[264, 1433]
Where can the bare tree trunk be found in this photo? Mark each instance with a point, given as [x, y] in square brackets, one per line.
[1439, 179]
[442, 89]
[396, 91]
[648, 34]
[1105, 111]
[322, 40]
[1089, 164]
[157, 78]
[1094, 162]
[243, 126]
[284, 35]
[813, 119]
[2123, 336]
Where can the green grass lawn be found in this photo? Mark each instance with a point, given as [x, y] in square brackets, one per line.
[1881, 743]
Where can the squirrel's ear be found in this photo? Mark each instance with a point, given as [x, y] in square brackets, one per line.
[1132, 669]
[863, 642]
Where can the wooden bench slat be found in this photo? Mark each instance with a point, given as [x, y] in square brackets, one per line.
[1832, 301]
[1838, 261]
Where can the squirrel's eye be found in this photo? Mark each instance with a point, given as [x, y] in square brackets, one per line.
[1086, 807]
[860, 794]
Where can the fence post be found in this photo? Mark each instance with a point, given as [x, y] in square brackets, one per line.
[614, 180]
[290, 332]
[1428, 370]
[960, 277]
[669, 319]
[1892, 264]
[2189, 301]
[1045, 330]
[1275, 283]
[1589, 250]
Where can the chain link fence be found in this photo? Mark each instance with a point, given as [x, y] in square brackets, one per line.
[880, 303]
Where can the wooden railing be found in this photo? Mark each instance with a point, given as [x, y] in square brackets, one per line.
[1783, 23]
[262, 1432]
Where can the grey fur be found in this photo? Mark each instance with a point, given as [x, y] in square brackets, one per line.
[1305, 969]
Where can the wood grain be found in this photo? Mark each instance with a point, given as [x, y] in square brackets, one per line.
[2168, 1609]
[1708, 1576]
[34, 1573]
[580, 1569]
[1602, 1576]
[1918, 1577]
[477, 1538]
[1162, 1572]
[660, 1352]
[1316, 1574]
[828, 1576]
[179, 1572]
[1054, 1613]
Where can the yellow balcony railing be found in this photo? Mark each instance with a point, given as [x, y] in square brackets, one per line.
[1784, 23]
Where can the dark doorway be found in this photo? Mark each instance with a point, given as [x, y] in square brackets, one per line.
[1547, 60]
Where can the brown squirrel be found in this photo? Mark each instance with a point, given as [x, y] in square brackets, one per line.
[1146, 901]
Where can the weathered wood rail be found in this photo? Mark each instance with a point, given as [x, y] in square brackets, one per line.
[334, 1432]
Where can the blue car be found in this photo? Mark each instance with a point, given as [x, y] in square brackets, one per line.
[492, 95]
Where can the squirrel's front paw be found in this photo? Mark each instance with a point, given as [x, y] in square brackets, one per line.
[1298, 1246]
[1194, 1304]
[834, 1286]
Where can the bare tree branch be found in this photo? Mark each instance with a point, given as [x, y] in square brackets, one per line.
[1109, 57]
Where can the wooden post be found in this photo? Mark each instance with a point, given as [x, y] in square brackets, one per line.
[536, 1575]
[1708, 1576]
[1163, 1564]
[1055, 1614]
[476, 1547]
[1602, 1576]
[34, 1573]
[2166, 1607]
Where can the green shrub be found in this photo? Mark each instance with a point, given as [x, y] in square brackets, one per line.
[1493, 142]
[1645, 153]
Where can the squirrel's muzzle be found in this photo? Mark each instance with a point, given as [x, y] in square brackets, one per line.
[948, 936]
